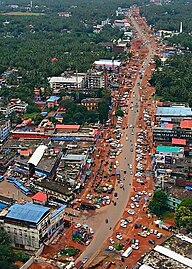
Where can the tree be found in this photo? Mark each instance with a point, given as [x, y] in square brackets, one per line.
[158, 204]
[119, 113]
[183, 214]
[7, 256]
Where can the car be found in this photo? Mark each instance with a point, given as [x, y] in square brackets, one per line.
[137, 225]
[137, 204]
[155, 232]
[111, 248]
[131, 212]
[130, 166]
[119, 236]
[111, 240]
[151, 231]
[135, 247]
[131, 149]
[151, 241]
[132, 205]
[87, 242]
[121, 185]
[159, 235]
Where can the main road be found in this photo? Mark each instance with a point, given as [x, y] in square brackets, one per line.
[114, 213]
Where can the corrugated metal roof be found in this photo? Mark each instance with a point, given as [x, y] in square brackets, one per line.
[174, 111]
[173, 255]
[179, 141]
[53, 98]
[37, 155]
[187, 124]
[168, 149]
[74, 157]
[28, 212]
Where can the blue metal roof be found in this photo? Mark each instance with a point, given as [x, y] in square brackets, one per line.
[53, 98]
[27, 212]
[174, 111]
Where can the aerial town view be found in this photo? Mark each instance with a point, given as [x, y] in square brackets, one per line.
[96, 134]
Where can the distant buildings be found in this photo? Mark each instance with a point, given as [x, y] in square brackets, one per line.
[15, 105]
[107, 64]
[90, 103]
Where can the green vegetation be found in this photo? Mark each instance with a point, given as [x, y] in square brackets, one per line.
[69, 251]
[173, 81]
[118, 246]
[158, 204]
[7, 256]
[29, 44]
[168, 16]
[183, 214]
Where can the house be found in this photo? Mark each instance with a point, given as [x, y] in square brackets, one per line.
[30, 225]
[52, 101]
[90, 103]
[40, 198]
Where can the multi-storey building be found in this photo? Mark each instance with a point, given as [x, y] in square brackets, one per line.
[5, 128]
[29, 225]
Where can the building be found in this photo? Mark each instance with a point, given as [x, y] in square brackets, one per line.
[16, 105]
[5, 128]
[90, 103]
[52, 101]
[107, 64]
[175, 152]
[75, 81]
[30, 225]
[95, 80]
[40, 198]
[167, 132]
[174, 113]
[69, 128]
[175, 253]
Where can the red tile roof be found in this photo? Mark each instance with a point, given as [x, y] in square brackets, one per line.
[40, 197]
[187, 124]
[178, 141]
[69, 127]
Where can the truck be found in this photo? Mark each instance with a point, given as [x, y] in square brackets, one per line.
[127, 252]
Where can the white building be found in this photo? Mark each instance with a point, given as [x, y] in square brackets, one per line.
[76, 81]
[29, 225]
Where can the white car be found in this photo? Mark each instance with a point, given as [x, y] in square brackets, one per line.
[130, 166]
[132, 205]
[119, 236]
[111, 241]
[131, 212]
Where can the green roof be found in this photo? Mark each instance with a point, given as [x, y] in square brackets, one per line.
[168, 149]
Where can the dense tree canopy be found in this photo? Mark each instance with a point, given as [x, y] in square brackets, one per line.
[183, 214]
[173, 81]
[7, 256]
[169, 15]
[158, 204]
